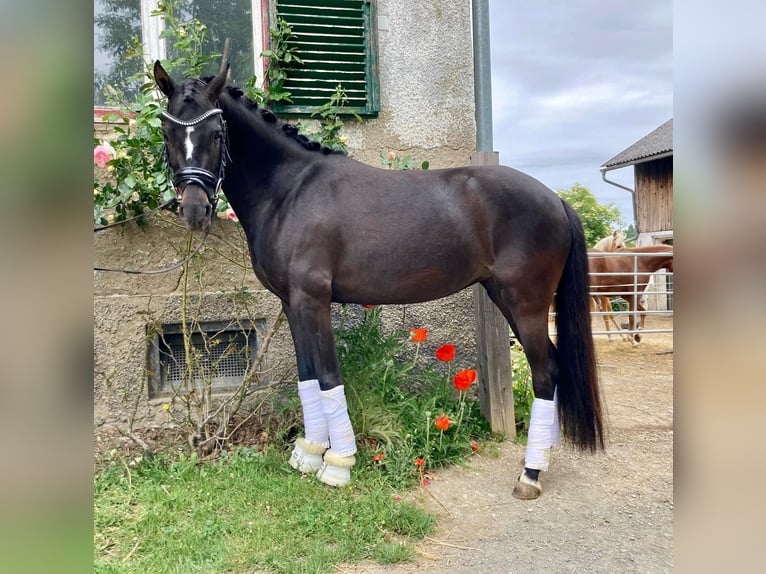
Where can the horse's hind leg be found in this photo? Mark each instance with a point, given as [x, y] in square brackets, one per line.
[606, 306]
[633, 321]
[526, 312]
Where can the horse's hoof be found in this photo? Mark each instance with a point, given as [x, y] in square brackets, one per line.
[527, 489]
[336, 470]
[307, 456]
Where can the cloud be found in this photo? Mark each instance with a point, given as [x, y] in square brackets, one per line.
[575, 83]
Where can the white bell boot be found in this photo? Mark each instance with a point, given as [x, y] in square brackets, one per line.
[338, 460]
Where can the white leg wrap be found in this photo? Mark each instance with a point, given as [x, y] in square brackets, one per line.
[314, 419]
[338, 460]
[556, 427]
[540, 434]
[342, 440]
[307, 453]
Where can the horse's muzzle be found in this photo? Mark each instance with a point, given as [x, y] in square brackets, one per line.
[195, 209]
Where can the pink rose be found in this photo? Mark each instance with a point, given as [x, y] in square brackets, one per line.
[102, 154]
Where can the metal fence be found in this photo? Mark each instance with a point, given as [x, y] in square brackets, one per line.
[656, 297]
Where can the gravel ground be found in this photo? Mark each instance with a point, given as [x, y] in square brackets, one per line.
[610, 513]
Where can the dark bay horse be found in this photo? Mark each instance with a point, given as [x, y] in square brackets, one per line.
[627, 276]
[322, 227]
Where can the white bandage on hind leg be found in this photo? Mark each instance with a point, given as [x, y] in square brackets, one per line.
[314, 420]
[540, 431]
[342, 440]
[556, 427]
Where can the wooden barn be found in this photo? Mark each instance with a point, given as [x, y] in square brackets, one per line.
[652, 161]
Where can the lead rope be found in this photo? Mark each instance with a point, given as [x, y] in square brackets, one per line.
[166, 269]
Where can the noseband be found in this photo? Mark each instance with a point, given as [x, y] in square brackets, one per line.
[197, 175]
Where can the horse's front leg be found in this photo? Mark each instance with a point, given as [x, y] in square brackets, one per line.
[322, 394]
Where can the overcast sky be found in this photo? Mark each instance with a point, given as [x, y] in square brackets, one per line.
[576, 82]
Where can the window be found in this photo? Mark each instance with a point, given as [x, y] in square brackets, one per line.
[221, 354]
[335, 38]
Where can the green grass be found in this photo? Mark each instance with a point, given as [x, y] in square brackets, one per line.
[248, 512]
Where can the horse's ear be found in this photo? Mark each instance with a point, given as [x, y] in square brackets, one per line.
[616, 233]
[164, 82]
[216, 84]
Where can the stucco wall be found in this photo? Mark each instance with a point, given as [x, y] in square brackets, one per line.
[426, 84]
[425, 66]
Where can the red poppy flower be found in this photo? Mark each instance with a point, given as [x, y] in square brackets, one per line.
[442, 422]
[464, 379]
[446, 352]
[378, 457]
[474, 447]
[419, 461]
[368, 306]
[419, 335]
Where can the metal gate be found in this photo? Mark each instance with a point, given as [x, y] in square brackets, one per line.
[656, 296]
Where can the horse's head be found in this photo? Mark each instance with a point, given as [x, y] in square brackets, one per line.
[195, 141]
[618, 240]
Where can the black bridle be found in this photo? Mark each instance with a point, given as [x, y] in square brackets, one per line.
[207, 180]
[197, 175]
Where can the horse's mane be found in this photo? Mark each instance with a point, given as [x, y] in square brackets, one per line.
[265, 114]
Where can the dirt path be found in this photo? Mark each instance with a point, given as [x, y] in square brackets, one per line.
[607, 513]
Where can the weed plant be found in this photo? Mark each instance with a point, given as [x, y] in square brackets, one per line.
[396, 402]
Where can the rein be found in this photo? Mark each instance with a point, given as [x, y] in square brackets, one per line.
[116, 223]
[164, 270]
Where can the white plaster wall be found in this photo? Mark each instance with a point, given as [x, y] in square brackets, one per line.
[425, 62]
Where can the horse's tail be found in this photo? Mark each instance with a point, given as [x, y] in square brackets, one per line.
[577, 385]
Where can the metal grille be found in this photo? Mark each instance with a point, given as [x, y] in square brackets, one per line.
[220, 355]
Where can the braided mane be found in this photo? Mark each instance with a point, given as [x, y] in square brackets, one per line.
[290, 130]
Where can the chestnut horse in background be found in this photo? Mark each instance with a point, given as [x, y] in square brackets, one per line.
[627, 276]
[611, 242]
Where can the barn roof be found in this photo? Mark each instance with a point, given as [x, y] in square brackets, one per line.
[657, 144]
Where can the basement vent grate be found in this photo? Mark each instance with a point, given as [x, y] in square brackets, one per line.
[219, 356]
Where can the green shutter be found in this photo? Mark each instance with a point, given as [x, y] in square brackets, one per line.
[335, 40]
